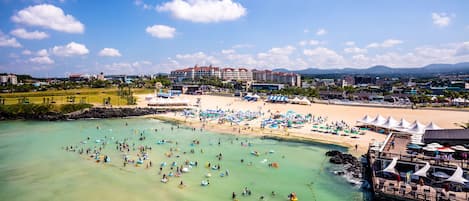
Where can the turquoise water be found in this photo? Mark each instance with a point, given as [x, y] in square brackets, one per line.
[35, 166]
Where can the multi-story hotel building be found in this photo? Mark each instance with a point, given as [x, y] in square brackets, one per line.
[291, 79]
[239, 74]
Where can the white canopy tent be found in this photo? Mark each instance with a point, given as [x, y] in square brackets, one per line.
[391, 167]
[457, 176]
[366, 119]
[403, 124]
[296, 100]
[423, 171]
[305, 101]
[390, 123]
[416, 128]
[432, 126]
[378, 121]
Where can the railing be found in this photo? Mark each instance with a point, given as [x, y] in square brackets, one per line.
[432, 160]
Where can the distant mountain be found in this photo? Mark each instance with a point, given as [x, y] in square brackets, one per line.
[429, 69]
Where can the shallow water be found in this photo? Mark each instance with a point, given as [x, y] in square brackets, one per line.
[34, 165]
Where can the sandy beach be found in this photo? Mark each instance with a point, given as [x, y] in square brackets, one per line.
[349, 114]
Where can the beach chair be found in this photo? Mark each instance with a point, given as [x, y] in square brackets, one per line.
[413, 191]
[403, 189]
[452, 197]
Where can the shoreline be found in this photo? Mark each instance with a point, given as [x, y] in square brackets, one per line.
[290, 136]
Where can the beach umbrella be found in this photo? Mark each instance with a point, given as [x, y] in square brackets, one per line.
[434, 144]
[457, 176]
[459, 148]
[441, 175]
[446, 150]
[414, 146]
[423, 171]
[427, 148]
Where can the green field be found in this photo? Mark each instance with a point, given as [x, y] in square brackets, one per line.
[86, 95]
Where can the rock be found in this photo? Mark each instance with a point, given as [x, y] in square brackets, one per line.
[352, 165]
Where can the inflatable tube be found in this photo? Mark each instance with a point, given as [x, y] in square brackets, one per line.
[275, 165]
[222, 174]
[214, 167]
[255, 153]
[185, 169]
[140, 162]
[160, 142]
[208, 175]
[163, 164]
[174, 164]
[164, 180]
[204, 183]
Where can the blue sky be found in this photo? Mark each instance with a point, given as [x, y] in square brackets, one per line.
[58, 37]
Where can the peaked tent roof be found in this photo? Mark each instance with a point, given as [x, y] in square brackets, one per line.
[403, 123]
[432, 126]
[378, 120]
[416, 128]
[365, 119]
[391, 167]
[390, 123]
[457, 176]
[422, 172]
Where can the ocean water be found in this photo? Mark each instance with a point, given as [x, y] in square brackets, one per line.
[35, 166]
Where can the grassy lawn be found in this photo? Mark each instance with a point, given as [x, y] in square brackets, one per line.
[88, 95]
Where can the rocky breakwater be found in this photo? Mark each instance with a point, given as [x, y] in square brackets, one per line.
[350, 166]
[105, 112]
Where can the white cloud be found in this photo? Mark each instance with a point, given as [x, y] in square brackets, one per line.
[463, 49]
[109, 52]
[26, 52]
[310, 42]
[321, 32]
[161, 31]
[143, 5]
[203, 11]
[35, 35]
[355, 50]
[6, 41]
[228, 51]
[48, 16]
[70, 49]
[282, 50]
[385, 44]
[42, 53]
[199, 58]
[350, 43]
[322, 56]
[306, 31]
[239, 46]
[41, 60]
[441, 19]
